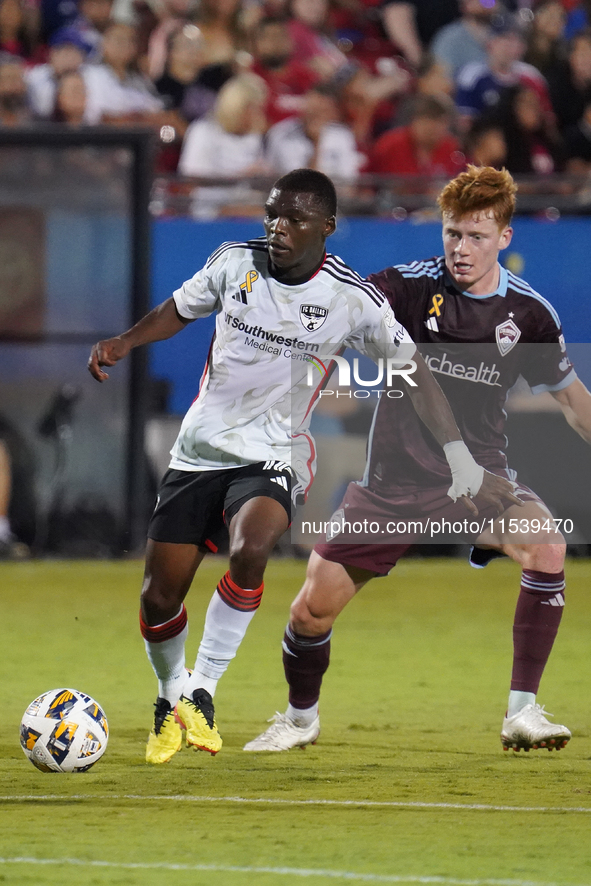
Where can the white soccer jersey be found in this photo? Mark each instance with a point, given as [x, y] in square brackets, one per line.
[265, 366]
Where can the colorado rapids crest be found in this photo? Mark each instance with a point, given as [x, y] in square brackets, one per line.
[507, 335]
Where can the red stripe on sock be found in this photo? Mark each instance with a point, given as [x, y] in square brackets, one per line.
[166, 631]
[239, 598]
[209, 544]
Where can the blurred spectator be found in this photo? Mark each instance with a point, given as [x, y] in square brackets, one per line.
[545, 43]
[485, 143]
[180, 89]
[570, 80]
[287, 78]
[184, 60]
[67, 52]
[316, 140]
[116, 89]
[220, 22]
[579, 18]
[359, 30]
[17, 35]
[479, 86]
[369, 103]
[578, 141]
[91, 23]
[174, 15]
[14, 106]
[56, 14]
[200, 97]
[432, 79]
[533, 144]
[425, 147]
[188, 85]
[230, 141]
[310, 35]
[412, 24]
[70, 100]
[178, 63]
[463, 41]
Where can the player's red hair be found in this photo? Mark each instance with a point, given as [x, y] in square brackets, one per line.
[480, 189]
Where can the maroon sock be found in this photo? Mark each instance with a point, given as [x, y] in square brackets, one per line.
[537, 617]
[305, 659]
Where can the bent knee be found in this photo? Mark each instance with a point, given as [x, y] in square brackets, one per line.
[248, 554]
[308, 620]
[158, 602]
[544, 557]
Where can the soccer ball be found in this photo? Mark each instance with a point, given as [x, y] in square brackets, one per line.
[64, 731]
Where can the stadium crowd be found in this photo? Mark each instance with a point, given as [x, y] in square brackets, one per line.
[243, 87]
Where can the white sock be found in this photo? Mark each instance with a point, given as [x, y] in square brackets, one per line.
[197, 680]
[518, 700]
[168, 661]
[222, 635]
[302, 716]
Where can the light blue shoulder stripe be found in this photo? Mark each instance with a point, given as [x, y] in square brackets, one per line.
[430, 268]
[566, 381]
[521, 286]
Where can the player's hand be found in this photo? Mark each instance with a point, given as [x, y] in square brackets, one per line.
[106, 353]
[496, 491]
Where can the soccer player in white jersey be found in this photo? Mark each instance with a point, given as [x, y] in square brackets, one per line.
[244, 447]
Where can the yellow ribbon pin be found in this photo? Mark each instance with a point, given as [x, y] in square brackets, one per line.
[437, 301]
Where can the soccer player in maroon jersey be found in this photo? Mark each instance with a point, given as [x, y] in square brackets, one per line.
[479, 328]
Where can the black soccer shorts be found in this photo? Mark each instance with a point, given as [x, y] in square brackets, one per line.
[196, 507]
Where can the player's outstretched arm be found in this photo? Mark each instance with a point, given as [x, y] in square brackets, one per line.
[575, 402]
[469, 478]
[161, 323]
[431, 404]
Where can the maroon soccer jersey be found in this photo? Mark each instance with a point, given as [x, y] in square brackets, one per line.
[477, 347]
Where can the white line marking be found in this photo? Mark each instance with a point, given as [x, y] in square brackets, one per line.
[272, 801]
[284, 872]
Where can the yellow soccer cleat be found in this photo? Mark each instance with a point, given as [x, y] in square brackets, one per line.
[166, 737]
[197, 716]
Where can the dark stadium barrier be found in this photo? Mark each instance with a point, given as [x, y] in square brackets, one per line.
[75, 268]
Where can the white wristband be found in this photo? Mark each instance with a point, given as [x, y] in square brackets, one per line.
[467, 476]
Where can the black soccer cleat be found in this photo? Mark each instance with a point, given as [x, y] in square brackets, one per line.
[481, 557]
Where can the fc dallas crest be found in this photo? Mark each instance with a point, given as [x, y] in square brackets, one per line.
[313, 316]
[508, 334]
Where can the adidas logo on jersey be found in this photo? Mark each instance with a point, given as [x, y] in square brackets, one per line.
[281, 481]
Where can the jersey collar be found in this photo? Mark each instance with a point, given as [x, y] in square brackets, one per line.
[500, 290]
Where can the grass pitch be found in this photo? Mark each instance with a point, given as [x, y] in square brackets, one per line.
[408, 782]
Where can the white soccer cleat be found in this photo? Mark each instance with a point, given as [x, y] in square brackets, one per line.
[529, 728]
[284, 734]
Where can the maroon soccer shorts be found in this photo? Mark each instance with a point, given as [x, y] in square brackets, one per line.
[373, 533]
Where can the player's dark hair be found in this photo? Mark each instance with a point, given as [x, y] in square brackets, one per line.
[480, 189]
[310, 181]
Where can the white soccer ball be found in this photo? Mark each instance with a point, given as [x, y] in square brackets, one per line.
[64, 731]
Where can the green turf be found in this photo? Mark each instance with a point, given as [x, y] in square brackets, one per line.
[411, 711]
